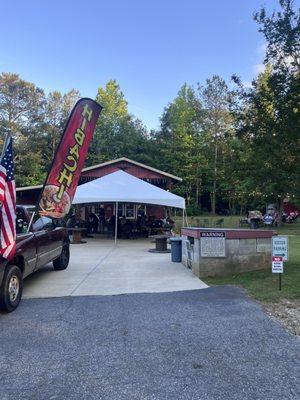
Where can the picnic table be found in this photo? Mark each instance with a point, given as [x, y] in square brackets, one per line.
[77, 235]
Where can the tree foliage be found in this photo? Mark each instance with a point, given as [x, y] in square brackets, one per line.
[117, 133]
[269, 120]
[217, 130]
[231, 147]
[176, 141]
[35, 122]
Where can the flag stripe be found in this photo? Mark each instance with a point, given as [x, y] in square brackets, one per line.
[8, 204]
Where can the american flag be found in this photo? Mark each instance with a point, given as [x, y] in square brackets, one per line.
[7, 203]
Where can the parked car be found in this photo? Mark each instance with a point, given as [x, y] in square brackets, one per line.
[45, 242]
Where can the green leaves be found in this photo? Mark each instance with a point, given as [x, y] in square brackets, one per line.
[36, 122]
[269, 121]
[117, 133]
[230, 147]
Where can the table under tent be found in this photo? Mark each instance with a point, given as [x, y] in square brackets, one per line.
[121, 187]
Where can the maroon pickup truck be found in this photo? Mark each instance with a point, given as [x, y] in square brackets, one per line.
[45, 242]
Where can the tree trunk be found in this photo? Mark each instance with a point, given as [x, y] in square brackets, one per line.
[231, 206]
[187, 197]
[213, 202]
[280, 211]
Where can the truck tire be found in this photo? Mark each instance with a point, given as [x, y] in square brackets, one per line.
[62, 261]
[11, 289]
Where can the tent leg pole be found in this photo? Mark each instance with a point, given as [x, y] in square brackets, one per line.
[116, 223]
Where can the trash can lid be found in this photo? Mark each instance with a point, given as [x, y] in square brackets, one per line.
[175, 239]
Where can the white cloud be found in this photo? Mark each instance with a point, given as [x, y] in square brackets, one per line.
[247, 84]
[260, 51]
[258, 68]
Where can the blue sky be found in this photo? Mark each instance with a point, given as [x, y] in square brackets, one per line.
[150, 47]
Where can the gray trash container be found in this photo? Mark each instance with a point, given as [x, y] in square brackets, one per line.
[176, 243]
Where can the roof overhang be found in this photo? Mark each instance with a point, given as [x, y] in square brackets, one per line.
[20, 189]
[176, 178]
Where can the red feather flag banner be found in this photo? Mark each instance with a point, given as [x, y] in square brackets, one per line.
[60, 186]
[7, 202]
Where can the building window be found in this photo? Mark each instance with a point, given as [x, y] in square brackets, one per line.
[140, 210]
[120, 210]
[89, 209]
[129, 211]
[97, 208]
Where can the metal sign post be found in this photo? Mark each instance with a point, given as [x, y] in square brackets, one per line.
[280, 253]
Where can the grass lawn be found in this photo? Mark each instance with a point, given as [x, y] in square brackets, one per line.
[263, 285]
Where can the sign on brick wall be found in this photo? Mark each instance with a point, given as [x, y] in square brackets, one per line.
[212, 244]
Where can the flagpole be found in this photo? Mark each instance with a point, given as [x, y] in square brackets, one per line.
[8, 135]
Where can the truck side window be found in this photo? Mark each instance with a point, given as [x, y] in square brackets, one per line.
[38, 225]
[48, 223]
[21, 222]
[42, 223]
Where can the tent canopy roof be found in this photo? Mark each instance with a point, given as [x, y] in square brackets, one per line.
[122, 187]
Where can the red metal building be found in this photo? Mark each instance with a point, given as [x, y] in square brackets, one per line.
[164, 180]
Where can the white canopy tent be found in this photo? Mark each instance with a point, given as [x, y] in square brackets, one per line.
[120, 187]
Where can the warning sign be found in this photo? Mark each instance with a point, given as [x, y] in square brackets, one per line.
[212, 244]
[277, 265]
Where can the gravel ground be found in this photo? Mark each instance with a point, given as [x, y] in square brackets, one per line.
[287, 313]
[213, 344]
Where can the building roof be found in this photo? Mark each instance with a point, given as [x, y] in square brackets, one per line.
[110, 163]
[135, 163]
[19, 189]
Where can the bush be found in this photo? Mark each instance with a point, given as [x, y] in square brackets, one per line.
[193, 209]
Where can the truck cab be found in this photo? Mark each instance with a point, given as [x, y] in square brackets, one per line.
[45, 241]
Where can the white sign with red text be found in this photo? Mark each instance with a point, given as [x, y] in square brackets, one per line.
[277, 265]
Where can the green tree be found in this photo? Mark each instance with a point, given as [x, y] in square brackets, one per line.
[177, 141]
[36, 123]
[29, 163]
[217, 131]
[272, 141]
[282, 33]
[117, 133]
[21, 114]
[21, 104]
[56, 112]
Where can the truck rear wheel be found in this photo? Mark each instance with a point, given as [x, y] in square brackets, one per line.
[62, 261]
[11, 289]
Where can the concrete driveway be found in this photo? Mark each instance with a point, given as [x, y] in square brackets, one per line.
[213, 344]
[100, 268]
